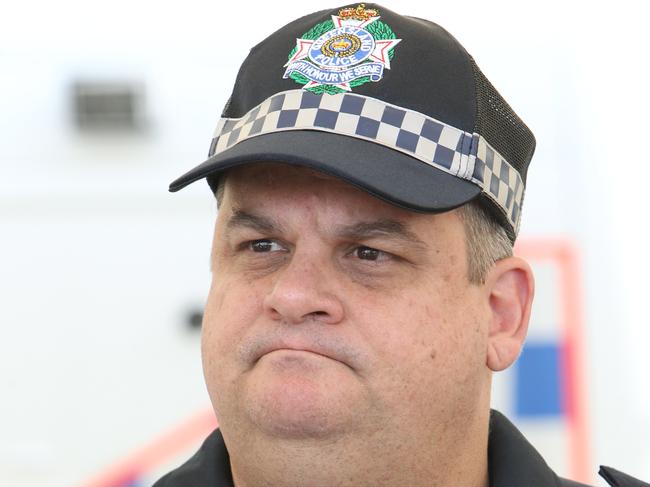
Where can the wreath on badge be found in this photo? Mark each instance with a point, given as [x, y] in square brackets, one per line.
[342, 53]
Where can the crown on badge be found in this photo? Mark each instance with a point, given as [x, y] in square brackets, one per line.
[358, 13]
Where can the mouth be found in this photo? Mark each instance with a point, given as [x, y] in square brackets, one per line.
[294, 349]
[300, 349]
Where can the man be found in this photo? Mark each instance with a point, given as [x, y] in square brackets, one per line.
[369, 181]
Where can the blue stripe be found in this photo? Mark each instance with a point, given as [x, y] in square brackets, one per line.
[538, 383]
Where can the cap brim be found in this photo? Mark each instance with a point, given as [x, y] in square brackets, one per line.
[381, 171]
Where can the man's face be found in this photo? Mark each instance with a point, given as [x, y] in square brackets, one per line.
[333, 313]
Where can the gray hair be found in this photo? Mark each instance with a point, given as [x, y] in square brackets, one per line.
[486, 240]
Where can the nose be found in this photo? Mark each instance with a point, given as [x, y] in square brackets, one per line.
[305, 289]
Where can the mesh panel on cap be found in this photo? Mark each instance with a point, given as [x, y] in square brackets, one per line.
[501, 126]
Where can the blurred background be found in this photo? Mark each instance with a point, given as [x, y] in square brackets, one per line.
[103, 273]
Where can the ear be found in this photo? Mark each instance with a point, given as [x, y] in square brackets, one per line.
[510, 286]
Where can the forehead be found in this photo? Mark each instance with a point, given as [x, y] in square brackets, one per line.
[256, 179]
[275, 176]
[266, 185]
[286, 191]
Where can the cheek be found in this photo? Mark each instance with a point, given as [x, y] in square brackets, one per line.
[402, 332]
[230, 310]
[431, 337]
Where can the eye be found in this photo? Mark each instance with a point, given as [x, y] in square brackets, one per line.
[264, 246]
[368, 253]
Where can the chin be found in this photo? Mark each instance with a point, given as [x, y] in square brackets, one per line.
[313, 403]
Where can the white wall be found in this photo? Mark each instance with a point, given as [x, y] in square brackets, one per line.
[98, 263]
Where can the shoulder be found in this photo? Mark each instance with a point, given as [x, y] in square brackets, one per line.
[620, 479]
[513, 461]
[210, 465]
[613, 477]
[571, 483]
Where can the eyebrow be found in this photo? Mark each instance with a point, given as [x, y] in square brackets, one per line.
[243, 219]
[382, 228]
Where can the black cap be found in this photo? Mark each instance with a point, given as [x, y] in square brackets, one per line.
[390, 103]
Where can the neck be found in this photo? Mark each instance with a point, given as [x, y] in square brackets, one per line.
[452, 453]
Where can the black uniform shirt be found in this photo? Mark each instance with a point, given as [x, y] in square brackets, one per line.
[512, 462]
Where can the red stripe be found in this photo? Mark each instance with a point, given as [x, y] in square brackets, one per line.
[564, 254]
[156, 453]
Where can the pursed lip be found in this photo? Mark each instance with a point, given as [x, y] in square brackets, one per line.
[330, 352]
[294, 347]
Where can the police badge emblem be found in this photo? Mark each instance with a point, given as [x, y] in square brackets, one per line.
[351, 49]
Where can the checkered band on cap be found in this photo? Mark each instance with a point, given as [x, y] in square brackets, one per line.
[462, 154]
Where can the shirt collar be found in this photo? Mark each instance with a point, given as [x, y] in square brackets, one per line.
[512, 461]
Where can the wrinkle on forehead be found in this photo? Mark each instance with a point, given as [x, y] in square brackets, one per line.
[270, 174]
[313, 189]
[325, 197]
[243, 181]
